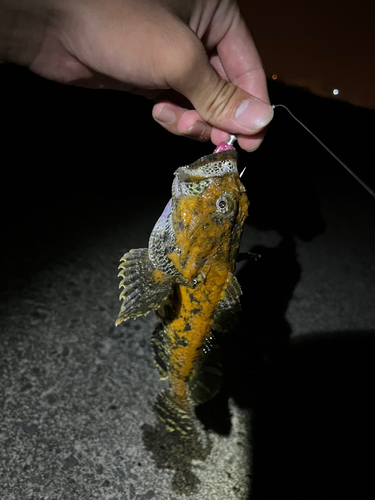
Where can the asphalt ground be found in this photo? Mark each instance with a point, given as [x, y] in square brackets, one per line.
[83, 180]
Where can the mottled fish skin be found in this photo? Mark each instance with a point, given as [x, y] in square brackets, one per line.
[186, 276]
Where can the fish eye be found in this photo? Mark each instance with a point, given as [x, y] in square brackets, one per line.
[224, 204]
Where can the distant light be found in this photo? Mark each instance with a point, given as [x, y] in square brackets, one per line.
[274, 76]
[335, 91]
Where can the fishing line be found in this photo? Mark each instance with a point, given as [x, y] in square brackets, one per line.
[363, 184]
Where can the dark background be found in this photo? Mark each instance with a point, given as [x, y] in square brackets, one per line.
[317, 45]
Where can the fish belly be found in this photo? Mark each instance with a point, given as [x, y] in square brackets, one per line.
[182, 342]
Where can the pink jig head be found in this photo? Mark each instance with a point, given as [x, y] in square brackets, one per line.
[223, 146]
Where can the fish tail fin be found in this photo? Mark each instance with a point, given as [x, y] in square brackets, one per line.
[174, 417]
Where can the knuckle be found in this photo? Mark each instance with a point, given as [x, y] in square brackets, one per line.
[219, 102]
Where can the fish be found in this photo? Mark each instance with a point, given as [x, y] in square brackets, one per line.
[186, 276]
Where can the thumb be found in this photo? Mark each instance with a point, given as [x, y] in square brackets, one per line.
[228, 107]
[219, 102]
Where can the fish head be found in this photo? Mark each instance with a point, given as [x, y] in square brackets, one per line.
[209, 208]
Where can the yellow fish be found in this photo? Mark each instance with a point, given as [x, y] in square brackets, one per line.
[186, 276]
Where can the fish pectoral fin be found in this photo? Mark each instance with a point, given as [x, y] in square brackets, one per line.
[145, 288]
[227, 311]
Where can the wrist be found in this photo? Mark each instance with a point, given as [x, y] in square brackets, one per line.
[22, 24]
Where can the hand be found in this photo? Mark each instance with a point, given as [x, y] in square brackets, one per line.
[195, 58]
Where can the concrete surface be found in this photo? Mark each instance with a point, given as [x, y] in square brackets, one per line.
[295, 417]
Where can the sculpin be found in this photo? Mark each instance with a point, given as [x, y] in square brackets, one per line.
[186, 276]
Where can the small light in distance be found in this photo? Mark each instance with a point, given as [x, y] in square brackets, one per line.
[335, 91]
[274, 76]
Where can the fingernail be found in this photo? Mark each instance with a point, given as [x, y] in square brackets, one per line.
[196, 130]
[166, 116]
[253, 114]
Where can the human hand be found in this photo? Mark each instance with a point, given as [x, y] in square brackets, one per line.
[195, 58]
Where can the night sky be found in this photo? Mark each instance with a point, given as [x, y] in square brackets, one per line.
[321, 45]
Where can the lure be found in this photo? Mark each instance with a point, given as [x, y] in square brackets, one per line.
[186, 276]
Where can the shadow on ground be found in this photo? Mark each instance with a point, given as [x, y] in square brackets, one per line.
[171, 451]
[310, 401]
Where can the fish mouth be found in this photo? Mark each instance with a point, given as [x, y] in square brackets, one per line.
[213, 165]
[195, 178]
